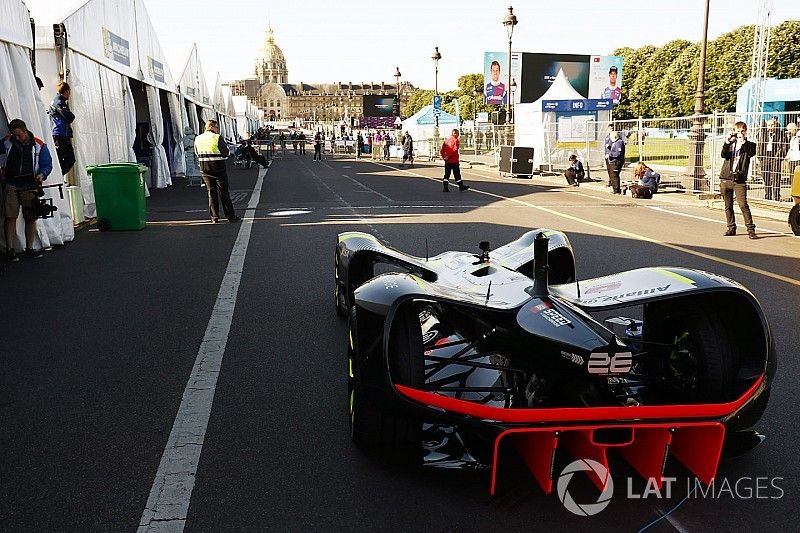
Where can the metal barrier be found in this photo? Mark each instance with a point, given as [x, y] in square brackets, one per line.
[667, 145]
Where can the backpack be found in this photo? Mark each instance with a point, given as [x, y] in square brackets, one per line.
[640, 191]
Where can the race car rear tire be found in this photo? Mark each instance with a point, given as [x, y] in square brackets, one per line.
[794, 219]
[370, 426]
[701, 331]
[341, 304]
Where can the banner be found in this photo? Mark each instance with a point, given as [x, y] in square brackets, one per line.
[576, 105]
[605, 79]
[495, 78]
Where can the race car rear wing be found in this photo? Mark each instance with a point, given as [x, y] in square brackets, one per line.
[635, 287]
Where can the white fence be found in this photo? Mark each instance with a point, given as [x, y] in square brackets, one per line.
[665, 144]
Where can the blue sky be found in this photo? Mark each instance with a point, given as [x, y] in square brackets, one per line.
[328, 41]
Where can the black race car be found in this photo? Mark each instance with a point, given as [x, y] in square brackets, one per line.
[453, 355]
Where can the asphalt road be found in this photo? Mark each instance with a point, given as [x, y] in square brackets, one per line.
[99, 337]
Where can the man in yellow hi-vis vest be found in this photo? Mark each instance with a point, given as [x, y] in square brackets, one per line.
[212, 152]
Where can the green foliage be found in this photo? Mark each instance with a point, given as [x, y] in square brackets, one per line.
[634, 59]
[661, 81]
[784, 50]
[647, 85]
[468, 101]
[728, 60]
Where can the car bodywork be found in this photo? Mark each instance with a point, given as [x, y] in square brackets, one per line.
[505, 348]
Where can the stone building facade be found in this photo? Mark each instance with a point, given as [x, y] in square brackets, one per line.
[271, 91]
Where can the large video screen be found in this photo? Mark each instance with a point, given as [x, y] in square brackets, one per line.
[540, 70]
[378, 105]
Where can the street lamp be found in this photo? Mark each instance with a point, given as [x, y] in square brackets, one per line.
[513, 87]
[397, 82]
[697, 136]
[476, 91]
[509, 22]
[436, 57]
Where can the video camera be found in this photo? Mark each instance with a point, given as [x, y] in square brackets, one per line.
[43, 207]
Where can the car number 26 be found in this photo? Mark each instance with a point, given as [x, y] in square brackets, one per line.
[603, 363]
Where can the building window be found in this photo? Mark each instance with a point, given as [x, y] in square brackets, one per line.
[272, 103]
[278, 103]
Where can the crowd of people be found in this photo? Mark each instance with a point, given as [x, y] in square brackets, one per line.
[26, 162]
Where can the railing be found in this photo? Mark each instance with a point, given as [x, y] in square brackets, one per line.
[668, 146]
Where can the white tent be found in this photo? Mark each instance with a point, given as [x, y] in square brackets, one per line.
[120, 82]
[248, 116]
[19, 98]
[157, 74]
[194, 88]
[538, 129]
[421, 126]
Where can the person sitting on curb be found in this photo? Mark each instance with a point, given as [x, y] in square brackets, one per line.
[648, 182]
[575, 172]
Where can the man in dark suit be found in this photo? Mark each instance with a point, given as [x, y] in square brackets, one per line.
[771, 153]
[737, 153]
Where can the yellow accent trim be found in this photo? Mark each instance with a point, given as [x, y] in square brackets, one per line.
[350, 364]
[356, 234]
[673, 275]
[351, 346]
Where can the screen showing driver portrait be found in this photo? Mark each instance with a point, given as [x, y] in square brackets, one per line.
[495, 73]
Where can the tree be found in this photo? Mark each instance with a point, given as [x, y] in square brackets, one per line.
[634, 60]
[728, 60]
[676, 89]
[784, 50]
[468, 101]
[646, 85]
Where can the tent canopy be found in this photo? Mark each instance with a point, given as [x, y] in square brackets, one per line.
[561, 89]
[426, 117]
[16, 26]
[193, 84]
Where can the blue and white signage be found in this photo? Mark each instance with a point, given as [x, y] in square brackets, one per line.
[577, 105]
[156, 69]
[437, 104]
[116, 48]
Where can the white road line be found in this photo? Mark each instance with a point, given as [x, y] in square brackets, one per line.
[690, 251]
[714, 220]
[368, 188]
[169, 498]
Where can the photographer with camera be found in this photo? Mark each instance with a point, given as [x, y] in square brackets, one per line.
[737, 152]
[25, 163]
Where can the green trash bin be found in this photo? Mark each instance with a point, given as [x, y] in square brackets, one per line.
[119, 196]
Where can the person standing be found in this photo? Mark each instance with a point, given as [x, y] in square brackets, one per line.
[408, 150]
[771, 153]
[387, 144]
[359, 145]
[449, 153]
[737, 153]
[212, 151]
[62, 118]
[607, 152]
[792, 140]
[318, 140]
[25, 163]
[301, 137]
[192, 165]
[616, 158]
